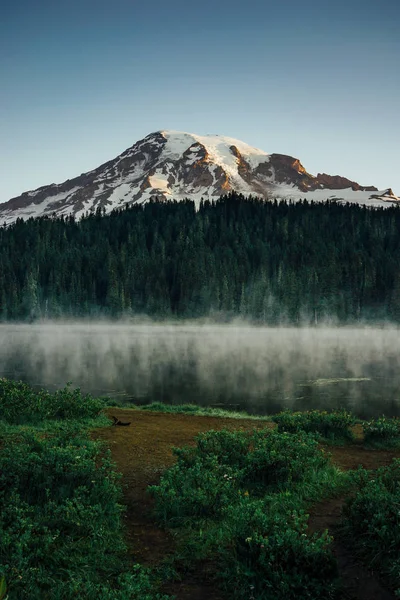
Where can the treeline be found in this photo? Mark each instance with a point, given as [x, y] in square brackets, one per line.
[273, 262]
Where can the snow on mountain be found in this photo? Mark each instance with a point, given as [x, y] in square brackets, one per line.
[177, 165]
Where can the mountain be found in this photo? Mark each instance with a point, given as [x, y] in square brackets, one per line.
[177, 165]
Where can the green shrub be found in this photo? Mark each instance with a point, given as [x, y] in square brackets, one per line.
[60, 518]
[238, 498]
[207, 477]
[59, 512]
[230, 448]
[372, 521]
[33, 464]
[278, 460]
[201, 490]
[329, 425]
[382, 431]
[20, 403]
[268, 555]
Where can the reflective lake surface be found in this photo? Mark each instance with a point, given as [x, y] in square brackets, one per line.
[260, 370]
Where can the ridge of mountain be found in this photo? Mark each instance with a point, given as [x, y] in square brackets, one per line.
[178, 165]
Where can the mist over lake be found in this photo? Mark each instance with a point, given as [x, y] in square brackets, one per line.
[261, 370]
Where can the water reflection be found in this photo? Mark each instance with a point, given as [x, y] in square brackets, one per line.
[261, 370]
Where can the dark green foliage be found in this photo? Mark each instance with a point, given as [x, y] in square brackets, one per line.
[60, 530]
[206, 478]
[238, 498]
[382, 432]
[20, 403]
[270, 554]
[267, 262]
[372, 521]
[333, 425]
[60, 518]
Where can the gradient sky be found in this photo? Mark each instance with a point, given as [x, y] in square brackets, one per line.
[80, 81]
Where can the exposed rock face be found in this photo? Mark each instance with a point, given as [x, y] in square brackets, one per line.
[177, 165]
[335, 182]
[290, 170]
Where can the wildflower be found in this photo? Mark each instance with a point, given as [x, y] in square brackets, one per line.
[246, 494]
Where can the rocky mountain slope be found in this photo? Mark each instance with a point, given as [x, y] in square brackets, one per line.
[177, 165]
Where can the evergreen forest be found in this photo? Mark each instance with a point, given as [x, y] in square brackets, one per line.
[266, 262]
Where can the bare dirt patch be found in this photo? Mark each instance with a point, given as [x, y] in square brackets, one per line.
[143, 451]
[358, 582]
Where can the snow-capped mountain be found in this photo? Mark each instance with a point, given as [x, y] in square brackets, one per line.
[177, 165]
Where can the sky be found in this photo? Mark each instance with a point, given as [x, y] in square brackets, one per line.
[82, 80]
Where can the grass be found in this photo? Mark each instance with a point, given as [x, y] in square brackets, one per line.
[190, 409]
[60, 497]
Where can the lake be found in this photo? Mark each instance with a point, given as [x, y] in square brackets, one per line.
[258, 369]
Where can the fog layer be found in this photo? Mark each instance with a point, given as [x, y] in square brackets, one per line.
[261, 370]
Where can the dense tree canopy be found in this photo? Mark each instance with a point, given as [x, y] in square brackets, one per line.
[270, 262]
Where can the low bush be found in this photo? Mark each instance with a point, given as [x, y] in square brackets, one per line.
[333, 425]
[20, 403]
[371, 521]
[238, 498]
[60, 530]
[268, 554]
[206, 478]
[60, 518]
[382, 432]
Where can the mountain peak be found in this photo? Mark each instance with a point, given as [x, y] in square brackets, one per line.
[170, 164]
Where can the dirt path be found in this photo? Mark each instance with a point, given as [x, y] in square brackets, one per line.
[143, 451]
[358, 582]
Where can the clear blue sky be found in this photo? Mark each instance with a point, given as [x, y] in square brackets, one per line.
[80, 81]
